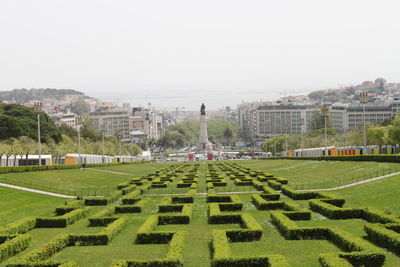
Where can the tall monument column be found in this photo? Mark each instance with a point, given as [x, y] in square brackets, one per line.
[204, 146]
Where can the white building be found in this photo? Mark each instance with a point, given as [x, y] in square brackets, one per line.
[112, 123]
[278, 119]
[20, 160]
[347, 116]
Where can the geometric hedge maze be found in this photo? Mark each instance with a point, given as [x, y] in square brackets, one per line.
[275, 202]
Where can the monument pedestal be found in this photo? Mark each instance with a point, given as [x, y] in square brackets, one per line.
[204, 146]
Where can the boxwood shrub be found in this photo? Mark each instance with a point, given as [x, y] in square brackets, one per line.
[13, 244]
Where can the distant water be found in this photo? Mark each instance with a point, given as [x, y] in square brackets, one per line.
[192, 101]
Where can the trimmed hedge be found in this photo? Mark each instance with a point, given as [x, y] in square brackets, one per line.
[62, 221]
[68, 207]
[222, 255]
[13, 244]
[359, 252]
[102, 238]
[386, 235]
[128, 189]
[102, 218]
[330, 260]
[251, 229]
[33, 168]
[136, 208]
[274, 184]
[102, 201]
[378, 158]
[131, 198]
[19, 227]
[306, 195]
[174, 257]
[45, 252]
[146, 236]
[333, 212]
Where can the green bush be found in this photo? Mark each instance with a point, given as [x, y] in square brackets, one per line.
[19, 227]
[45, 252]
[128, 189]
[102, 238]
[62, 221]
[136, 208]
[172, 259]
[102, 201]
[222, 255]
[331, 260]
[13, 244]
[275, 184]
[102, 217]
[131, 198]
[359, 252]
[33, 168]
[386, 235]
[70, 206]
[378, 158]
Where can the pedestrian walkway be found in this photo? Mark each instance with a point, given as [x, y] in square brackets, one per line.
[356, 183]
[35, 191]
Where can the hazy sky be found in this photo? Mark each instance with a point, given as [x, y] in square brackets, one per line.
[179, 53]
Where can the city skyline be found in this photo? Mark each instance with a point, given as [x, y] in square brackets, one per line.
[179, 52]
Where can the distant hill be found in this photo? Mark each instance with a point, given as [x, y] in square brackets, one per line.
[23, 95]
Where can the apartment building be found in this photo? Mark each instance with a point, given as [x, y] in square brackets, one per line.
[349, 116]
[261, 121]
[284, 118]
[112, 123]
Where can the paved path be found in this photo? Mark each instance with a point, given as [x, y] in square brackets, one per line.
[356, 183]
[35, 191]
[122, 173]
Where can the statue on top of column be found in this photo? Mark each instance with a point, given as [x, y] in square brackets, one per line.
[203, 109]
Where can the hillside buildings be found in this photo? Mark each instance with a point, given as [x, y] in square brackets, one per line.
[131, 125]
[259, 121]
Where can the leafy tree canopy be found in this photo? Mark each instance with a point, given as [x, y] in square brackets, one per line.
[187, 132]
[17, 120]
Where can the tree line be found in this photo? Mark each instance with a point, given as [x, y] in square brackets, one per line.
[18, 136]
[187, 133]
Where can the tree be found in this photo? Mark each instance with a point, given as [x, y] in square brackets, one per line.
[321, 132]
[228, 134]
[394, 130]
[3, 151]
[187, 132]
[318, 122]
[80, 108]
[377, 135]
[17, 120]
[28, 146]
[68, 130]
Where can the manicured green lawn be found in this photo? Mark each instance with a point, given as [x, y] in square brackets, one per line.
[16, 204]
[85, 182]
[138, 169]
[382, 194]
[310, 174]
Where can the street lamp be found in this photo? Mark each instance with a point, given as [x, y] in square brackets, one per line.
[302, 135]
[120, 145]
[78, 126]
[286, 141]
[38, 109]
[325, 114]
[102, 145]
[364, 101]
